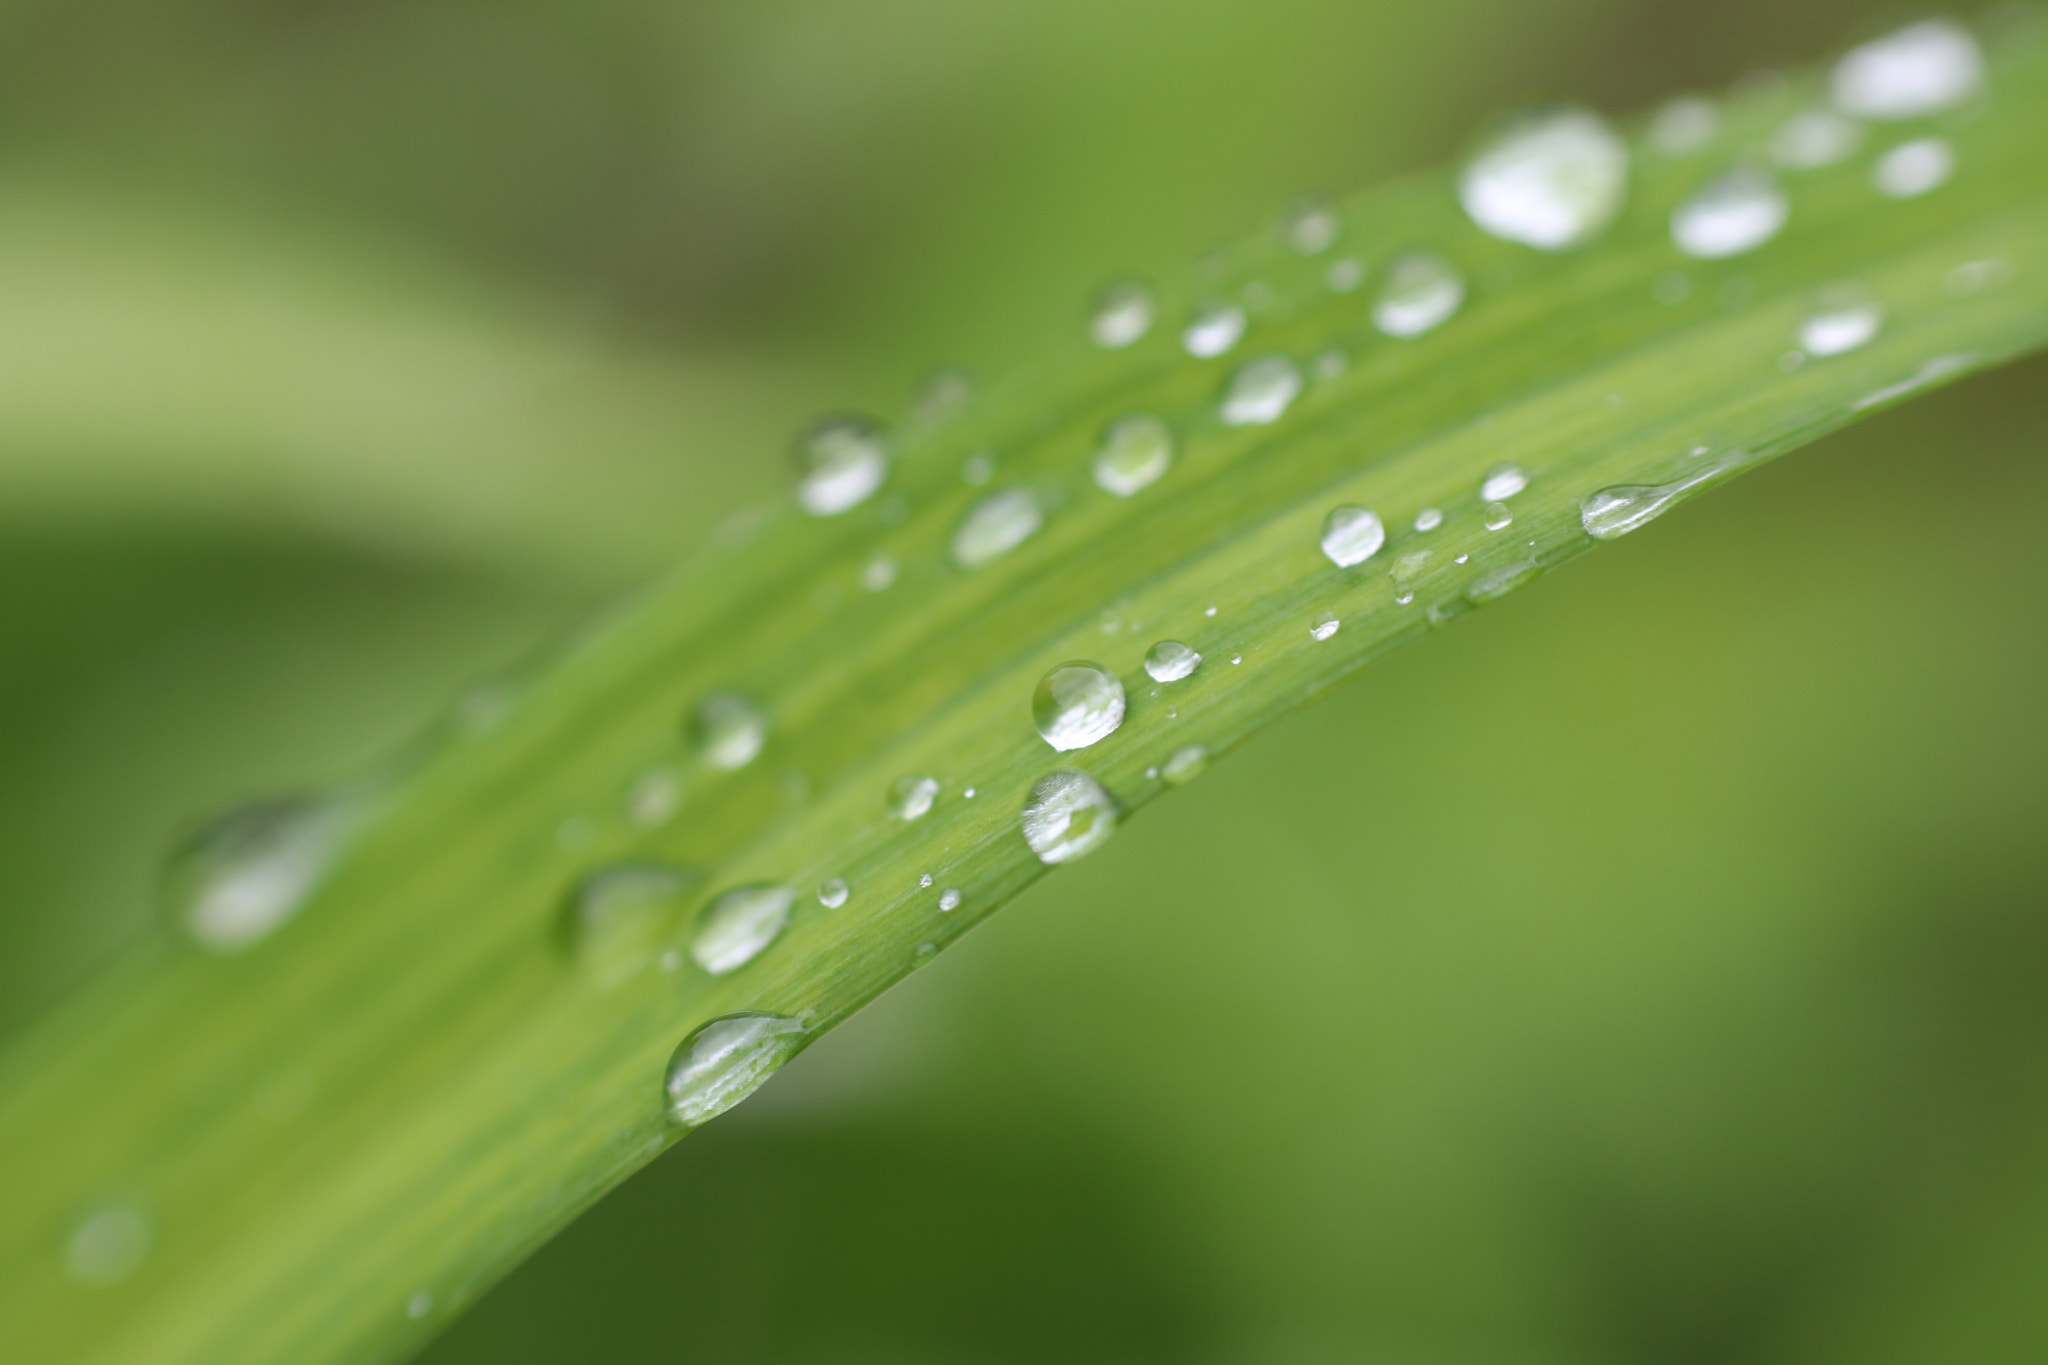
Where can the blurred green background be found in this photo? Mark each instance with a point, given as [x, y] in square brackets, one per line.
[1649, 970]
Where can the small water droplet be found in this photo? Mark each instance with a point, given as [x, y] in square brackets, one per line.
[730, 730]
[1840, 325]
[1502, 482]
[617, 914]
[1208, 611]
[1344, 275]
[1311, 225]
[1551, 180]
[1409, 567]
[925, 880]
[1134, 454]
[1422, 290]
[979, 468]
[240, 876]
[1815, 138]
[1170, 661]
[1122, 315]
[1404, 597]
[1920, 69]
[1684, 125]
[1498, 583]
[996, 525]
[1352, 535]
[949, 900]
[1067, 815]
[1461, 559]
[653, 798]
[1429, 518]
[1260, 392]
[878, 573]
[1185, 764]
[734, 929]
[1613, 512]
[941, 396]
[1671, 288]
[1326, 624]
[1236, 659]
[1152, 773]
[969, 793]
[419, 1305]
[1498, 517]
[1914, 168]
[1974, 277]
[1216, 328]
[912, 798]
[1077, 704]
[840, 463]
[832, 892]
[109, 1244]
[1738, 212]
[725, 1061]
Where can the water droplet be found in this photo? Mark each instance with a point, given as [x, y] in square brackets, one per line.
[840, 463]
[1311, 225]
[1409, 567]
[1738, 212]
[832, 893]
[1613, 512]
[109, 1244]
[1502, 482]
[1134, 454]
[911, 798]
[1429, 518]
[1461, 559]
[969, 793]
[878, 573]
[923, 953]
[979, 469]
[1671, 288]
[1352, 535]
[941, 396]
[996, 525]
[1498, 517]
[1185, 765]
[949, 900]
[1325, 626]
[734, 929]
[1840, 326]
[1911, 169]
[1170, 661]
[1067, 815]
[1817, 137]
[1938, 368]
[1551, 180]
[1077, 704]
[925, 880]
[730, 730]
[241, 875]
[617, 914]
[1344, 275]
[1331, 363]
[653, 798]
[1260, 391]
[1422, 290]
[1404, 597]
[1498, 583]
[725, 1061]
[419, 1305]
[1974, 277]
[1684, 125]
[1208, 611]
[1122, 315]
[1921, 69]
[1215, 329]
[1236, 659]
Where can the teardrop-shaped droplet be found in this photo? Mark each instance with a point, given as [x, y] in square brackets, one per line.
[1738, 212]
[1613, 512]
[1215, 328]
[1815, 138]
[734, 929]
[1684, 125]
[1324, 626]
[725, 1061]
[911, 798]
[840, 463]
[1260, 392]
[1170, 661]
[109, 1244]
[1921, 69]
[730, 730]
[1352, 535]
[996, 525]
[1502, 482]
[832, 893]
[1077, 704]
[1840, 326]
[1914, 168]
[1135, 453]
[1186, 764]
[1311, 225]
[1422, 290]
[1122, 316]
[239, 877]
[618, 915]
[1068, 815]
[1551, 180]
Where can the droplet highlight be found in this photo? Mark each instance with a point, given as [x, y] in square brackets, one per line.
[730, 730]
[1215, 329]
[832, 892]
[911, 798]
[1067, 816]
[1122, 316]
[1737, 213]
[996, 525]
[1185, 765]
[1502, 482]
[1135, 454]
[1170, 661]
[949, 900]
[1840, 327]
[725, 1061]
[1352, 535]
[235, 880]
[1914, 168]
[1325, 625]
[840, 463]
[1421, 292]
[1921, 69]
[1077, 704]
[1310, 226]
[735, 928]
[1261, 392]
[1551, 180]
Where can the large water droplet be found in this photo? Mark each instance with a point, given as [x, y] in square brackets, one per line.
[1551, 180]
[1817, 137]
[1122, 315]
[730, 730]
[1738, 212]
[1134, 454]
[840, 463]
[1911, 169]
[1260, 391]
[1311, 225]
[1352, 535]
[1921, 69]
[1502, 482]
[911, 798]
[246, 872]
[734, 929]
[1077, 704]
[1421, 291]
[1068, 815]
[1684, 125]
[1170, 661]
[996, 525]
[1324, 626]
[725, 1061]
[1839, 326]
[618, 915]
[1186, 764]
[109, 1244]
[1215, 329]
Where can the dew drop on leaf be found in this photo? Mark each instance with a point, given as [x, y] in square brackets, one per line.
[1135, 453]
[1067, 815]
[1429, 518]
[1838, 327]
[1551, 180]
[1260, 392]
[240, 876]
[1170, 661]
[911, 798]
[1122, 316]
[1215, 328]
[996, 525]
[725, 1061]
[1502, 482]
[1497, 516]
[1738, 212]
[1077, 704]
[840, 463]
[1311, 225]
[1185, 765]
[730, 730]
[617, 915]
[1352, 535]
[734, 929]
[1921, 69]
[1914, 168]
[1421, 292]
[949, 899]
[832, 893]
[1326, 624]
